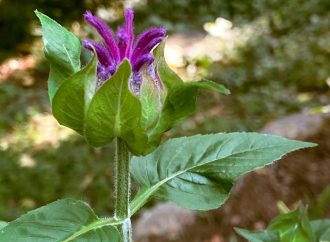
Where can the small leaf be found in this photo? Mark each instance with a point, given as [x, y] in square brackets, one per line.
[3, 224]
[317, 208]
[198, 172]
[62, 49]
[73, 97]
[319, 227]
[293, 226]
[181, 96]
[211, 85]
[64, 220]
[116, 112]
[259, 236]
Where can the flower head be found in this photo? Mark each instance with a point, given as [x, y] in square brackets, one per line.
[116, 47]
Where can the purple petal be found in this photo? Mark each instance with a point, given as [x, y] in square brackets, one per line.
[105, 72]
[105, 33]
[147, 40]
[146, 59]
[122, 42]
[101, 51]
[146, 49]
[136, 81]
[129, 16]
[152, 71]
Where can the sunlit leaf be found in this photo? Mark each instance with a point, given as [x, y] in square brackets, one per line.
[259, 236]
[325, 236]
[62, 49]
[198, 172]
[115, 112]
[73, 97]
[181, 96]
[319, 227]
[293, 226]
[64, 220]
[3, 224]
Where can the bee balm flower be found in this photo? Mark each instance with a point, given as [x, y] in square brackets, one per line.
[115, 48]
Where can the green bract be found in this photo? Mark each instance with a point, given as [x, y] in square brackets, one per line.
[113, 110]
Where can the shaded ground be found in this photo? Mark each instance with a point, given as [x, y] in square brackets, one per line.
[253, 201]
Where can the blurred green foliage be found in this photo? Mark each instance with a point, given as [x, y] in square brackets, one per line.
[17, 16]
[288, 53]
[70, 170]
[35, 173]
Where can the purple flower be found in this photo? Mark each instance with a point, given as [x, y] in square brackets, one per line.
[115, 48]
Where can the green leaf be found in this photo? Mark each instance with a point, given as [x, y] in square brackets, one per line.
[293, 226]
[198, 172]
[62, 49]
[259, 236]
[210, 85]
[116, 112]
[168, 77]
[3, 224]
[317, 208]
[64, 220]
[325, 236]
[151, 103]
[181, 96]
[320, 227]
[73, 97]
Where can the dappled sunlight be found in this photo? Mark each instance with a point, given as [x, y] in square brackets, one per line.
[41, 130]
[17, 67]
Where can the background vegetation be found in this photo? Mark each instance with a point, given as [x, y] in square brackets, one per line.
[278, 63]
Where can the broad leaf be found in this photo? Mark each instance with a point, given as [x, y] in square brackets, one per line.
[293, 226]
[115, 112]
[3, 224]
[325, 236]
[259, 236]
[198, 172]
[73, 97]
[62, 49]
[319, 228]
[64, 220]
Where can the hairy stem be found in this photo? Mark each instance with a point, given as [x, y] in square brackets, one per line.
[122, 187]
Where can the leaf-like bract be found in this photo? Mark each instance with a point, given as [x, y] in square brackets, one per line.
[115, 112]
[73, 97]
[180, 100]
[62, 49]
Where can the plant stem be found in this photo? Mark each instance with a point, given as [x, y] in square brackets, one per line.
[122, 188]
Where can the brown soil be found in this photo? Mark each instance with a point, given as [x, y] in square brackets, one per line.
[253, 201]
